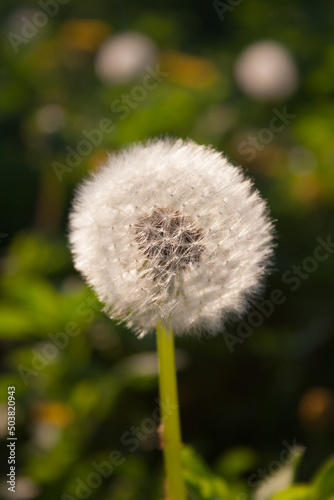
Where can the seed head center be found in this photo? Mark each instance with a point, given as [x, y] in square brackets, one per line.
[169, 240]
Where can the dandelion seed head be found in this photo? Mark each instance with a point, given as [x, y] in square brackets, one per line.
[171, 231]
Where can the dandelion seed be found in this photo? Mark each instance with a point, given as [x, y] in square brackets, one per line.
[171, 231]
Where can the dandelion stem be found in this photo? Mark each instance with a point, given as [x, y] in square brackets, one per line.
[170, 414]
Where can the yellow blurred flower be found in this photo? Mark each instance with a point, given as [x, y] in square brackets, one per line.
[190, 71]
[307, 188]
[53, 413]
[84, 34]
[317, 407]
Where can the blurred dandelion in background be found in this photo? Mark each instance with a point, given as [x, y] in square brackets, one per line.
[122, 58]
[266, 70]
[26, 489]
[18, 17]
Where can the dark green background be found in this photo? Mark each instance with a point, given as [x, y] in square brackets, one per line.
[76, 409]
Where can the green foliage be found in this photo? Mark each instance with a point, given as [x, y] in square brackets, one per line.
[236, 462]
[297, 492]
[199, 478]
[324, 480]
[203, 484]
[320, 488]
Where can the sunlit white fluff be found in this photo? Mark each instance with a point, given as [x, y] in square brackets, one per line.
[171, 231]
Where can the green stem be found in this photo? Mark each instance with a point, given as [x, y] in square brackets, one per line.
[169, 409]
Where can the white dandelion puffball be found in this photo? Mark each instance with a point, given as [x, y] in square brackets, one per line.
[123, 57]
[266, 70]
[170, 231]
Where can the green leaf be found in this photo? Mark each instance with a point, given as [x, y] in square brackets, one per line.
[297, 492]
[236, 462]
[324, 479]
[14, 323]
[35, 254]
[200, 479]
